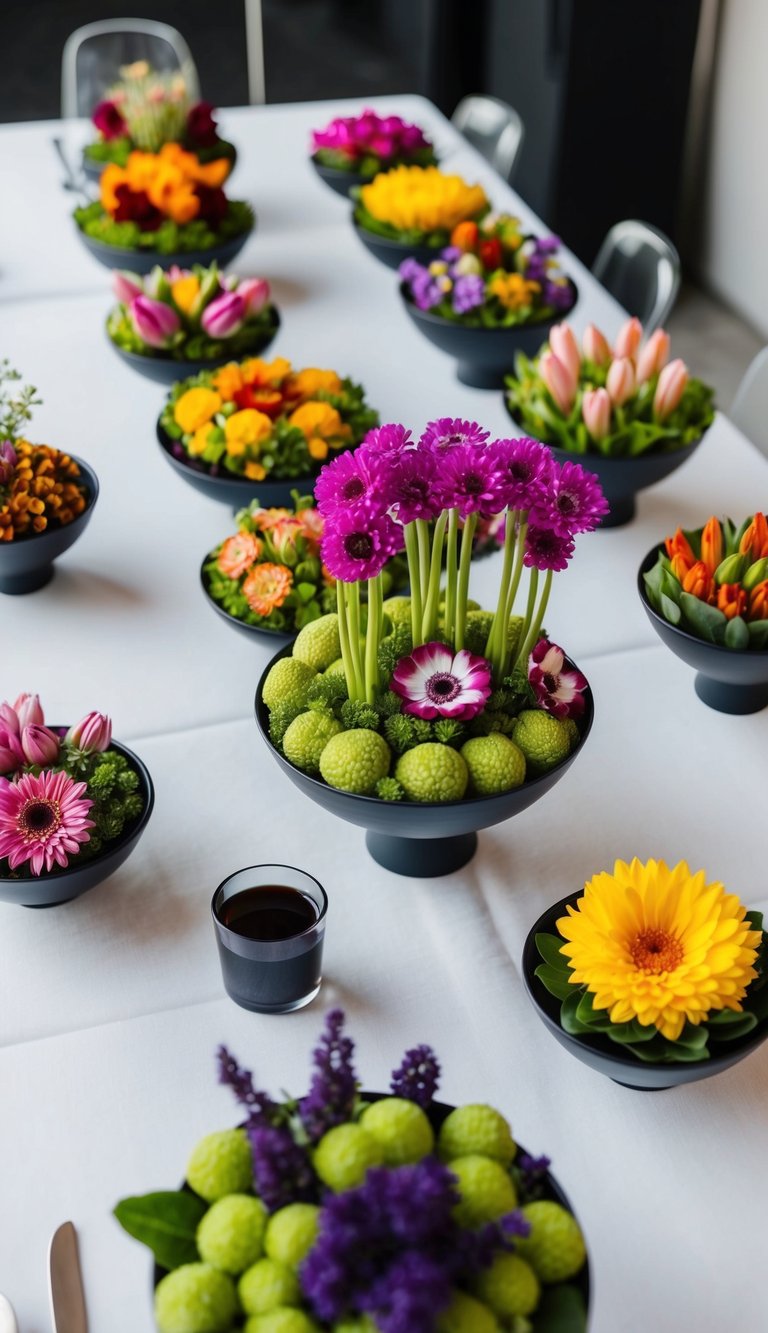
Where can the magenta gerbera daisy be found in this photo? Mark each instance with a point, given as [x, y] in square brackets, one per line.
[469, 480]
[409, 487]
[350, 482]
[577, 503]
[358, 546]
[43, 820]
[526, 467]
[558, 691]
[390, 439]
[448, 431]
[436, 682]
[546, 548]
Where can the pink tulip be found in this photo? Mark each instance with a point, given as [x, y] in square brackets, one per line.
[40, 745]
[566, 349]
[255, 294]
[155, 323]
[596, 346]
[558, 379]
[11, 753]
[629, 338]
[224, 316]
[653, 357]
[670, 389]
[28, 709]
[126, 286]
[596, 411]
[8, 719]
[8, 461]
[92, 734]
[620, 381]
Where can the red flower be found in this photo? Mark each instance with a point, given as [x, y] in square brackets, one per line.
[268, 401]
[108, 121]
[136, 206]
[202, 130]
[491, 253]
[213, 204]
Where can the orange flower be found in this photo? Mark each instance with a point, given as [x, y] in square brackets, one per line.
[228, 381]
[195, 408]
[322, 426]
[731, 600]
[238, 554]
[699, 582]
[465, 235]
[269, 518]
[680, 566]
[266, 587]
[680, 546]
[712, 544]
[754, 543]
[758, 602]
[304, 384]
[168, 178]
[266, 374]
[312, 524]
[255, 471]
[246, 430]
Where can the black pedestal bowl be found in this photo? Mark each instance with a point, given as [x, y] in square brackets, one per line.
[26, 564]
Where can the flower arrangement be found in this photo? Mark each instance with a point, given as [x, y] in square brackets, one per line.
[193, 314]
[369, 143]
[620, 403]
[264, 419]
[658, 962]
[167, 201]
[435, 700]
[40, 487]
[418, 205]
[714, 582]
[65, 795]
[491, 276]
[338, 1210]
[147, 108]
[270, 572]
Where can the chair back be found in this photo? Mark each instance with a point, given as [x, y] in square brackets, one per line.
[492, 127]
[94, 55]
[750, 406]
[640, 266]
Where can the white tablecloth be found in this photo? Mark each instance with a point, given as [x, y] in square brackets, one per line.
[112, 1006]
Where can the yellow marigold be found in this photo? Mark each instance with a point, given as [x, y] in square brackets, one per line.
[185, 292]
[255, 471]
[266, 373]
[266, 587]
[320, 421]
[422, 199]
[195, 408]
[513, 290]
[306, 383]
[199, 441]
[659, 945]
[228, 381]
[245, 430]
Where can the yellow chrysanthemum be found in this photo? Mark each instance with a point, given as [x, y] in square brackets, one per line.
[422, 199]
[306, 383]
[246, 430]
[322, 426]
[195, 409]
[659, 945]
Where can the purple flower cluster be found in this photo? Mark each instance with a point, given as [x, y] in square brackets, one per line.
[282, 1170]
[416, 1079]
[331, 1097]
[430, 285]
[537, 255]
[366, 496]
[259, 1105]
[461, 277]
[532, 1174]
[387, 137]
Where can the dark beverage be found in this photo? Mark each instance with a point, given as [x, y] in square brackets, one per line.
[269, 912]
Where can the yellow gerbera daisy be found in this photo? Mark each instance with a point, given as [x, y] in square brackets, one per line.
[422, 199]
[659, 945]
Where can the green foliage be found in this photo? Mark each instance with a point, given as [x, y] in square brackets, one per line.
[396, 645]
[389, 789]
[167, 1222]
[170, 237]
[113, 786]
[15, 408]
[448, 732]
[355, 713]
[399, 732]
[280, 719]
[328, 691]
[388, 704]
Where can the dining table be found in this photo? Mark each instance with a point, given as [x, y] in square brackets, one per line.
[112, 1005]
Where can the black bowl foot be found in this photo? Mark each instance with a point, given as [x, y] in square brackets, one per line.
[731, 698]
[421, 858]
[481, 377]
[18, 584]
[40, 907]
[635, 1087]
[622, 510]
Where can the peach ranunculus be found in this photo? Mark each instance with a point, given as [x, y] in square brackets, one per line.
[229, 381]
[268, 374]
[246, 430]
[195, 408]
[304, 384]
[238, 554]
[322, 426]
[312, 523]
[266, 519]
[266, 587]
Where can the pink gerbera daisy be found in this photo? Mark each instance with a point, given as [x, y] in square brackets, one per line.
[43, 820]
[559, 692]
[435, 682]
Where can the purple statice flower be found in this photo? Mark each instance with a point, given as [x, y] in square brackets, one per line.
[538, 258]
[333, 1089]
[417, 1077]
[526, 468]
[389, 439]
[447, 431]
[450, 254]
[8, 460]
[427, 291]
[577, 503]
[350, 482]
[546, 548]
[355, 547]
[468, 293]
[411, 269]
[557, 294]
[532, 1171]
[259, 1105]
[407, 487]
[470, 480]
[480, 1247]
[282, 1170]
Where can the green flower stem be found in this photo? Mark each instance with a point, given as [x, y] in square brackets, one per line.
[422, 528]
[451, 571]
[346, 656]
[532, 636]
[465, 562]
[495, 637]
[372, 638]
[353, 608]
[429, 618]
[414, 575]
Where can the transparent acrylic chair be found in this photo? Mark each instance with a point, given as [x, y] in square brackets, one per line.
[749, 410]
[93, 56]
[492, 127]
[640, 266]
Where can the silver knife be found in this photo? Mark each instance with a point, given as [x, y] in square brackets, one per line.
[66, 1285]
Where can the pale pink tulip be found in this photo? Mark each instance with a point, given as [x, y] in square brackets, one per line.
[28, 709]
[596, 346]
[8, 718]
[596, 411]
[566, 349]
[40, 745]
[620, 381]
[653, 357]
[255, 294]
[670, 389]
[126, 286]
[92, 734]
[628, 339]
[155, 323]
[558, 380]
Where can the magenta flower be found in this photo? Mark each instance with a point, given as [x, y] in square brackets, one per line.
[436, 683]
[255, 293]
[409, 486]
[154, 322]
[126, 286]
[470, 480]
[11, 753]
[527, 469]
[40, 745]
[352, 483]
[28, 709]
[390, 439]
[8, 460]
[388, 137]
[578, 503]
[225, 316]
[358, 547]
[92, 734]
[447, 431]
[559, 692]
[108, 121]
[546, 548]
[43, 820]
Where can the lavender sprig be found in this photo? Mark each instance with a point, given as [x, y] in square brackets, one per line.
[417, 1077]
[531, 1172]
[282, 1171]
[333, 1089]
[259, 1105]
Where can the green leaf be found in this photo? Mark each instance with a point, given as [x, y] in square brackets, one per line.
[306, 591]
[569, 1020]
[632, 1031]
[549, 947]
[670, 610]
[166, 1221]
[652, 582]
[705, 620]
[758, 634]
[693, 1036]
[591, 1017]
[561, 1310]
[738, 1026]
[671, 586]
[554, 981]
[737, 634]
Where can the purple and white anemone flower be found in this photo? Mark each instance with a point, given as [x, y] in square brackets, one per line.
[436, 682]
[558, 691]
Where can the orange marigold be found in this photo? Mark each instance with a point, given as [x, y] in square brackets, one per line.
[266, 587]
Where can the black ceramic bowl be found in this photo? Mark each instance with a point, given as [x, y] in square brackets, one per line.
[274, 636]
[485, 356]
[143, 261]
[418, 838]
[60, 886]
[341, 182]
[604, 1055]
[225, 486]
[727, 680]
[392, 253]
[27, 564]
[164, 368]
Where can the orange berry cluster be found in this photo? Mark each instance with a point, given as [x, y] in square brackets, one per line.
[43, 489]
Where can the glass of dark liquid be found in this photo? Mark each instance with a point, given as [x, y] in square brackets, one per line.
[270, 925]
